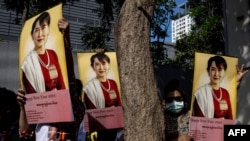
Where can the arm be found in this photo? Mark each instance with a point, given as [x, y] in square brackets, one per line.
[89, 104]
[240, 73]
[63, 26]
[184, 137]
[23, 123]
[28, 87]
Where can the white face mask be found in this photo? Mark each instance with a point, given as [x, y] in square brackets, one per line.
[175, 106]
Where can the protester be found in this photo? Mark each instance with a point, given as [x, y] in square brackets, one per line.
[176, 112]
[9, 115]
[80, 109]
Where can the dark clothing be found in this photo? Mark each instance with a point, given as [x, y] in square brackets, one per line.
[176, 125]
[107, 135]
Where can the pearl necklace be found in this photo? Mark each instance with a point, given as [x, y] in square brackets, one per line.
[106, 89]
[41, 61]
[218, 99]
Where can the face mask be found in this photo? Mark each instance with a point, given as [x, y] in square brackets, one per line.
[175, 106]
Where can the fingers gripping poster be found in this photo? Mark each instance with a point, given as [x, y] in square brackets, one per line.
[43, 73]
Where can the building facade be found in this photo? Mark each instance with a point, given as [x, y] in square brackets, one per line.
[182, 25]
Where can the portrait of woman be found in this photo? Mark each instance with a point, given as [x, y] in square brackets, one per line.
[41, 69]
[101, 91]
[41, 53]
[213, 98]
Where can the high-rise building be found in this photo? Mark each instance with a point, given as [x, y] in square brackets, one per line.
[181, 25]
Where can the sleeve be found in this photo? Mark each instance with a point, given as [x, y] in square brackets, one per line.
[28, 87]
[89, 104]
[196, 109]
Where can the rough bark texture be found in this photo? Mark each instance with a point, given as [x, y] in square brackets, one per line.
[143, 115]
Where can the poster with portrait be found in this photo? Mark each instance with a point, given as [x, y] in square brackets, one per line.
[214, 86]
[43, 71]
[99, 75]
[86, 73]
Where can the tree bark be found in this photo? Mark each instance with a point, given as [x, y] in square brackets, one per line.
[143, 114]
[25, 12]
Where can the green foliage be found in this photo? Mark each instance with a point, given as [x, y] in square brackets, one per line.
[98, 36]
[95, 37]
[207, 34]
[163, 11]
[158, 52]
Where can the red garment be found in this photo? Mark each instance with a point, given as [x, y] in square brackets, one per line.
[218, 113]
[55, 83]
[108, 101]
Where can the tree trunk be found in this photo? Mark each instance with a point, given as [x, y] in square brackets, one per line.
[25, 12]
[143, 114]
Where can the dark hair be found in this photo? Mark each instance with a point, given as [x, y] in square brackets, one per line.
[100, 56]
[9, 109]
[173, 85]
[219, 61]
[44, 17]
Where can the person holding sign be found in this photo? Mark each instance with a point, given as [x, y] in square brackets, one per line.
[211, 100]
[41, 72]
[176, 113]
[101, 92]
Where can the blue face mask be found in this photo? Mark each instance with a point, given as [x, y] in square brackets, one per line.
[175, 106]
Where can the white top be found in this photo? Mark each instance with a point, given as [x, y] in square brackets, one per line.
[205, 101]
[94, 92]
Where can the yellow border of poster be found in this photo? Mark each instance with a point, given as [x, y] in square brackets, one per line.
[229, 81]
[55, 41]
[86, 72]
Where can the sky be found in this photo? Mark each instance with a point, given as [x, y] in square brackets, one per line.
[178, 2]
